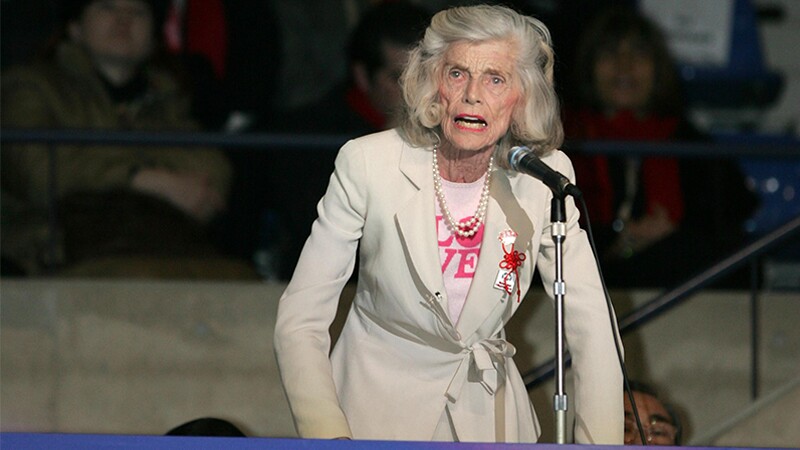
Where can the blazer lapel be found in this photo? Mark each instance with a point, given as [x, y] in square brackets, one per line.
[416, 219]
[504, 212]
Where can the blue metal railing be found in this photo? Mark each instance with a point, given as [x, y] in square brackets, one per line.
[175, 139]
[783, 148]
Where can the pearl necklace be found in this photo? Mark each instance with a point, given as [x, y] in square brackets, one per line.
[466, 228]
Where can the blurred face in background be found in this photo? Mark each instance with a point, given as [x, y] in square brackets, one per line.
[116, 31]
[656, 421]
[624, 76]
[384, 87]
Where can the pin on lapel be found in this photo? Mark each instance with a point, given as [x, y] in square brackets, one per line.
[508, 274]
[507, 237]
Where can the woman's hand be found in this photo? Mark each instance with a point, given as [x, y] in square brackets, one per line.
[651, 228]
[642, 233]
[189, 192]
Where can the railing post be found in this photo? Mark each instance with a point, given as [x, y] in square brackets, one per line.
[51, 252]
[754, 329]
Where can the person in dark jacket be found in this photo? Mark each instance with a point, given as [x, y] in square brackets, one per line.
[120, 210]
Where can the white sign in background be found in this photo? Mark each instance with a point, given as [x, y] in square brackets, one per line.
[698, 32]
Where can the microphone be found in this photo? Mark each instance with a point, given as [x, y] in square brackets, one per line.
[522, 159]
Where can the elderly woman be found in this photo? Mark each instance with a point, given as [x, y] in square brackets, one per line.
[448, 246]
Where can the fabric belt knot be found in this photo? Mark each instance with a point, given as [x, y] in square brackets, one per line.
[484, 363]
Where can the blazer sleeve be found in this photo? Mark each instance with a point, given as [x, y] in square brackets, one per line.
[598, 401]
[302, 339]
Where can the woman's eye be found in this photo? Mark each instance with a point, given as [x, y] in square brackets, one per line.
[496, 84]
[455, 74]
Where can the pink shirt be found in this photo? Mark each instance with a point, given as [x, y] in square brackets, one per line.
[458, 255]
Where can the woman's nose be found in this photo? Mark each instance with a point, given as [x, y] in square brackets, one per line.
[472, 93]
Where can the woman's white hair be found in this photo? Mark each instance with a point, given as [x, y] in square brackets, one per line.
[536, 123]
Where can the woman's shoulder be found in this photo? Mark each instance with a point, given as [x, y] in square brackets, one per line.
[382, 152]
[556, 159]
[379, 144]
[379, 138]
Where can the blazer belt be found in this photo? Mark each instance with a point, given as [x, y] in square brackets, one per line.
[487, 360]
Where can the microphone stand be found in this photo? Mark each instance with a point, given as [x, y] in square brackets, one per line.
[559, 234]
[524, 160]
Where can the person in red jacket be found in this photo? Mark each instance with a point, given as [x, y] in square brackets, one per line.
[657, 219]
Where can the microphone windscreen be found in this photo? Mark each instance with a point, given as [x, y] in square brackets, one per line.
[504, 156]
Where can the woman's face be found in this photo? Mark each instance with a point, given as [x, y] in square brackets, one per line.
[116, 30]
[624, 76]
[479, 91]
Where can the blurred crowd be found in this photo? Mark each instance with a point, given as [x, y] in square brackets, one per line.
[316, 68]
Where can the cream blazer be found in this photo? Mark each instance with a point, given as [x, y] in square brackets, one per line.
[399, 361]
